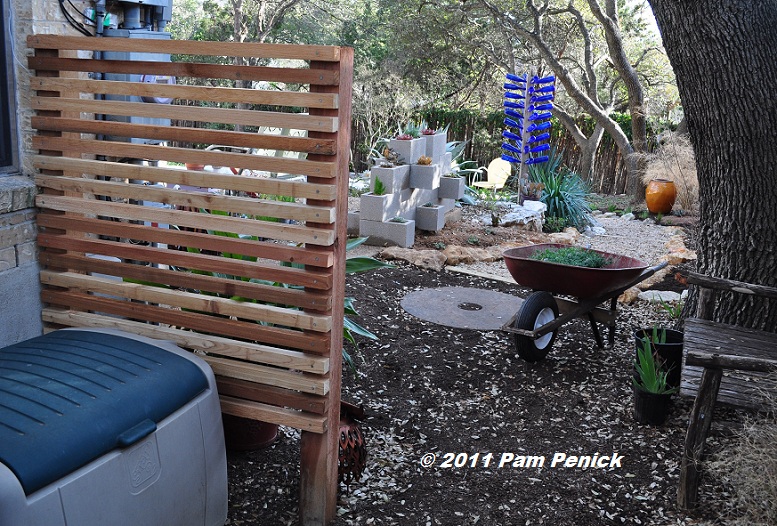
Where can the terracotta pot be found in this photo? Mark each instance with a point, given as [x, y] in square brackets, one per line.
[194, 166]
[660, 195]
[244, 434]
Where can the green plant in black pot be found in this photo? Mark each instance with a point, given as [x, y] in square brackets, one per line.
[652, 394]
[667, 345]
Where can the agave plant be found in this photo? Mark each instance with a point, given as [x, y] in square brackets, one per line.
[350, 327]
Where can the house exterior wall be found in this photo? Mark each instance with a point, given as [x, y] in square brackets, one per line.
[20, 305]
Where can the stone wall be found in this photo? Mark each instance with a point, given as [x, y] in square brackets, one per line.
[19, 284]
[20, 304]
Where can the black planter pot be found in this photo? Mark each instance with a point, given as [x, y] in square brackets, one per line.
[671, 352]
[651, 408]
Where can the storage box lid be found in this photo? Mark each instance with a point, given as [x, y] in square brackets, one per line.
[68, 397]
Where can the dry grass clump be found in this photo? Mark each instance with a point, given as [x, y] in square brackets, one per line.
[674, 160]
[749, 468]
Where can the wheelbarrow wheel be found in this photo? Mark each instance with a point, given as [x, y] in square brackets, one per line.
[537, 310]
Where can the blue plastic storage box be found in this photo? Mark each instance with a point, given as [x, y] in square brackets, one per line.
[101, 427]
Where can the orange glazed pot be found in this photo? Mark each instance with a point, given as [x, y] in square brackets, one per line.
[660, 195]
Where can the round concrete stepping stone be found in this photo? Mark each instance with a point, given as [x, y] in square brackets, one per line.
[462, 307]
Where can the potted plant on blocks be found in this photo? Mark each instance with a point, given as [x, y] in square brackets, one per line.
[652, 394]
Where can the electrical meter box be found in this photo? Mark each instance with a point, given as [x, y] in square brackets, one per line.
[145, 57]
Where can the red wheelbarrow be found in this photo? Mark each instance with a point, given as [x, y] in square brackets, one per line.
[536, 324]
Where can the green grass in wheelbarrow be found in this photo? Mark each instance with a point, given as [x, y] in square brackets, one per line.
[576, 256]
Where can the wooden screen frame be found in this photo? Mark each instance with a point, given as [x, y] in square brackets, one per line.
[276, 351]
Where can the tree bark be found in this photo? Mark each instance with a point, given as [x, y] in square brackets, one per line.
[722, 52]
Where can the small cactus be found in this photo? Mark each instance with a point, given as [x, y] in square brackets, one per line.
[424, 160]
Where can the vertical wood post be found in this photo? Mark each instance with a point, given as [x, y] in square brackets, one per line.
[698, 428]
[319, 452]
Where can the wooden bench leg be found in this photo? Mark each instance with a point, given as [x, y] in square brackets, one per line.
[698, 429]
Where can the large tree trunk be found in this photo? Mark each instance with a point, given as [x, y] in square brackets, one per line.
[723, 55]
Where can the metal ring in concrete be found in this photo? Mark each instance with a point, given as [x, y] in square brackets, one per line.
[462, 307]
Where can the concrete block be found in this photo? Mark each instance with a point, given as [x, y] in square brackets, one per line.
[26, 253]
[395, 179]
[353, 223]
[381, 233]
[379, 207]
[410, 150]
[452, 188]
[427, 177]
[435, 146]
[447, 159]
[418, 197]
[16, 193]
[430, 218]
[20, 305]
[17, 234]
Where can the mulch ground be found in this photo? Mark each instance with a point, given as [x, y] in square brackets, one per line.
[427, 389]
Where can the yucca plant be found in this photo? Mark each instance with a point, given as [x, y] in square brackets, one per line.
[564, 191]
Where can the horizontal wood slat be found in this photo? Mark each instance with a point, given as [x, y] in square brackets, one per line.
[299, 381]
[298, 190]
[197, 135]
[271, 395]
[183, 218]
[709, 336]
[257, 249]
[184, 155]
[306, 299]
[205, 93]
[183, 198]
[203, 262]
[267, 413]
[186, 69]
[194, 341]
[309, 342]
[738, 388]
[230, 49]
[187, 300]
[275, 119]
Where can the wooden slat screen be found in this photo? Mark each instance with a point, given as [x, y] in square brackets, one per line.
[243, 266]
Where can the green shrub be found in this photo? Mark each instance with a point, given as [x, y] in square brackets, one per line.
[554, 224]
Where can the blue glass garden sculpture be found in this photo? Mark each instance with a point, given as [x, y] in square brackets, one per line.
[527, 103]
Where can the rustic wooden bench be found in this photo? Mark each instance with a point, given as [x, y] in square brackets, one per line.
[249, 272]
[747, 355]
